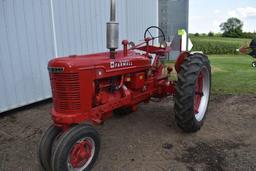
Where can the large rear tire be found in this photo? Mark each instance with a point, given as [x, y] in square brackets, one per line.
[45, 147]
[77, 149]
[192, 92]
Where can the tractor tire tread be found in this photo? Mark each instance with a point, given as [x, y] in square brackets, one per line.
[184, 97]
[45, 147]
[64, 143]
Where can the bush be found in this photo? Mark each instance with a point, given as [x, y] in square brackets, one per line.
[218, 45]
[249, 35]
[233, 34]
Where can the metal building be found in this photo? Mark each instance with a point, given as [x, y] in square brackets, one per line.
[173, 15]
[34, 31]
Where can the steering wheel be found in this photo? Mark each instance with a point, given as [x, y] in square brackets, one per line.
[149, 31]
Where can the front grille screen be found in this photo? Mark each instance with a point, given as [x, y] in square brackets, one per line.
[66, 92]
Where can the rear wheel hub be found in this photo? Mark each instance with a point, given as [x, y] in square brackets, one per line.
[202, 93]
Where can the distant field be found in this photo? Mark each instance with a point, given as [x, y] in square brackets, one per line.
[232, 74]
[218, 45]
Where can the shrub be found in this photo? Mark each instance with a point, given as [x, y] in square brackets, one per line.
[249, 35]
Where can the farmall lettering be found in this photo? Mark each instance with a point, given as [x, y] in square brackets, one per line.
[120, 64]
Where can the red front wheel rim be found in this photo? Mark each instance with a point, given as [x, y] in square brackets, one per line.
[81, 154]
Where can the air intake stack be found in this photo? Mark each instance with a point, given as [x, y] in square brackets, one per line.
[112, 30]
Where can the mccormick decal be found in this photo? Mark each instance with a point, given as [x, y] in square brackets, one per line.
[119, 64]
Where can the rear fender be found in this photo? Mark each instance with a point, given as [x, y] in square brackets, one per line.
[180, 60]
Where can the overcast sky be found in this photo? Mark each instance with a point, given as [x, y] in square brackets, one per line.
[207, 15]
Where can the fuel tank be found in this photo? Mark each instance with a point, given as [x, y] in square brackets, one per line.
[120, 65]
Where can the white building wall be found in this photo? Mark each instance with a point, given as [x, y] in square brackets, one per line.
[33, 31]
[26, 46]
[81, 24]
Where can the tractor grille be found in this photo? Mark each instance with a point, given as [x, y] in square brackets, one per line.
[66, 92]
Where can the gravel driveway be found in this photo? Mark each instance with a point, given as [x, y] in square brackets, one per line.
[147, 140]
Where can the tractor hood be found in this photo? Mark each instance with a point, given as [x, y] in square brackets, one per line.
[76, 63]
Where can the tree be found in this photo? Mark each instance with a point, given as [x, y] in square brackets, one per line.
[233, 27]
[197, 34]
[210, 34]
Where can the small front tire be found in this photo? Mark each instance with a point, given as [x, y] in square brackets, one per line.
[45, 146]
[77, 149]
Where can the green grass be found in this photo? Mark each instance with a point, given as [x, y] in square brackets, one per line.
[218, 45]
[232, 74]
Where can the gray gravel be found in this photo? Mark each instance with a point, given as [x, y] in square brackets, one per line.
[147, 139]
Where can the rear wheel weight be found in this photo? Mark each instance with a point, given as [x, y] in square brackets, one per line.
[45, 146]
[193, 92]
[77, 149]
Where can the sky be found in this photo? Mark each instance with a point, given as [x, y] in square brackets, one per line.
[207, 15]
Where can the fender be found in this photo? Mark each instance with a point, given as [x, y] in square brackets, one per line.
[180, 60]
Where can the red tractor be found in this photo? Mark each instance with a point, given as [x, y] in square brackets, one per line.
[88, 89]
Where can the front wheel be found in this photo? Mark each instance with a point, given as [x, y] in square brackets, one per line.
[45, 146]
[192, 92]
[77, 149]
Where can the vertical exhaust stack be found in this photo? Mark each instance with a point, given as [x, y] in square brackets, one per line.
[112, 30]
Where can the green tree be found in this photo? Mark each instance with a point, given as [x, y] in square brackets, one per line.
[197, 34]
[210, 34]
[233, 27]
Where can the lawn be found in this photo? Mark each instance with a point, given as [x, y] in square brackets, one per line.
[232, 74]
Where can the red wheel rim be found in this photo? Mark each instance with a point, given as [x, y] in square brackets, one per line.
[198, 92]
[81, 154]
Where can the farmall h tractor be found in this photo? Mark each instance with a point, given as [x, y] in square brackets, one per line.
[90, 88]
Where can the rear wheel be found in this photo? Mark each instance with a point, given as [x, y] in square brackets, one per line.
[77, 149]
[193, 92]
[45, 146]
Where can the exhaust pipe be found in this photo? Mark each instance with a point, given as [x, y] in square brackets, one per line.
[113, 10]
[112, 30]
